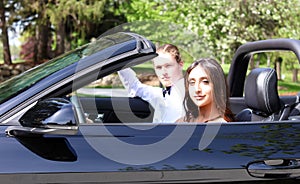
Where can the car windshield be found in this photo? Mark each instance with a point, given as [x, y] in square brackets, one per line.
[17, 84]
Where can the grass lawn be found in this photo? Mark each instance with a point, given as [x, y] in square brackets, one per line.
[285, 87]
[14, 61]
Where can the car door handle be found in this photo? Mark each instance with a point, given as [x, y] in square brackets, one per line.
[275, 168]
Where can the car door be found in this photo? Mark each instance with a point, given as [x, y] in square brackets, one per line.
[155, 153]
[149, 152]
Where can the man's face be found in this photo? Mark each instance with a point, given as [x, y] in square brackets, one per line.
[167, 69]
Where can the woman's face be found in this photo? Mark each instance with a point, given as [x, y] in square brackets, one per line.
[200, 88]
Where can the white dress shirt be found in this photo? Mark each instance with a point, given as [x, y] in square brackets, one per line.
[167, 109]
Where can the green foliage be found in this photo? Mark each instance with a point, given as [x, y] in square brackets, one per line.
[81, 12]
[203, 28]
[200, 28]
[223, 25]
[218, 27]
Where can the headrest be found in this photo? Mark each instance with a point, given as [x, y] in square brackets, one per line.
[261, 91]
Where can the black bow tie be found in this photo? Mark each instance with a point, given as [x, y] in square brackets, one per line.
[167, 90]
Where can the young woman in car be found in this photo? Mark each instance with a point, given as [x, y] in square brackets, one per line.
[206, 94]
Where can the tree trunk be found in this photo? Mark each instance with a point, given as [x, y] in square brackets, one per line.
[257, 61]
[223, 60]
[252, 65]
[42, 42]
[68, 45]
[295, 75]
[268, 60]
[278, 67]
[60, 38]
[4, 37]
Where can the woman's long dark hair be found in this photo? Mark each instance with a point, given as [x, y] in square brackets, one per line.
[220, 90]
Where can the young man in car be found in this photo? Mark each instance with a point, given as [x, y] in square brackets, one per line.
[166, 101]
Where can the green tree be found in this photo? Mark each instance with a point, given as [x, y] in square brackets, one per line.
[77, 16]
[157, 21]
[58, 26]
[223, 25]
[1, 52]
[4, 9]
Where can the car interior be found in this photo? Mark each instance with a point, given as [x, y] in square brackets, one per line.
[259, 101]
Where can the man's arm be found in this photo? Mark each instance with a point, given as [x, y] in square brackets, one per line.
[152, 95]
[129, 81]
[134, 86]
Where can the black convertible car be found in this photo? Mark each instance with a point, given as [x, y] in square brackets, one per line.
[52, 132]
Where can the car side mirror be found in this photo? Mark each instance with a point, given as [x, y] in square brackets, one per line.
[49, 116]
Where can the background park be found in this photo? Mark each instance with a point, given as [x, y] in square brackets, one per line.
[33, 32]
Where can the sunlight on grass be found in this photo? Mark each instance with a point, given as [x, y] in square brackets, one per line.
[285, 87]
[14, 61]
[288, 88]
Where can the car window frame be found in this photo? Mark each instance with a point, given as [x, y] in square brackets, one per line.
[79, 74]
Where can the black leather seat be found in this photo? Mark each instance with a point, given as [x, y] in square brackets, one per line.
[261, 96]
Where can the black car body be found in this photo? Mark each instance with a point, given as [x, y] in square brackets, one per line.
[45, 137]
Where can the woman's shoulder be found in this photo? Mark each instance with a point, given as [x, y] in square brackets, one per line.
[220, 119]
[180, 120]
